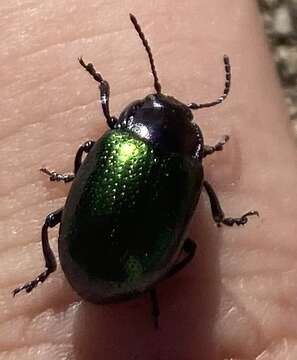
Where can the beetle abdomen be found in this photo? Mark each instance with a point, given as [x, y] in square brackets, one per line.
[125, 216]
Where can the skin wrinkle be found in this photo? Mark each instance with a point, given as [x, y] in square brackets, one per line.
[11, 4]
[14, 227]
[36, 175]
[73, 108]
[266, 312]
[68, 42]
[35, 234]
[198, 287]
[48, 197]
[58, 299]
[52, 48]
[36, 326]
[77, 70]
[24, 346]
[72, 40]
[42, 85]
[250, 322]
[46, 351]
[279, 350]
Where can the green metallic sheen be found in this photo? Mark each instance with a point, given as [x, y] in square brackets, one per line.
[125, 216]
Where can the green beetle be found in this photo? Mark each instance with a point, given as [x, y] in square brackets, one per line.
[123, 225]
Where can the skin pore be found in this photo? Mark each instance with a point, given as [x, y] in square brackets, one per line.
[238, 298]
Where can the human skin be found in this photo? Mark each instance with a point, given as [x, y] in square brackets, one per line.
[238, 298]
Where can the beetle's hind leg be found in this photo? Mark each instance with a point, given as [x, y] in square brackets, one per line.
[219, 146]
[104, 91]
[218, 214]
[51, 220]
[189, 248]
[155, 307]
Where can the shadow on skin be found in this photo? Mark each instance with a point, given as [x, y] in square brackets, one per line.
[188, 303]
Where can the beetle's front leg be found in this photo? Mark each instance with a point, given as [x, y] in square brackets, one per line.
[218, 214]
[208, 150]
[51, 220]
[104, 91]
[84, 148]
[54, 176]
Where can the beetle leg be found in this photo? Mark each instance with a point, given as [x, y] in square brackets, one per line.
[217, 212]
[227, 65]
[54, 176]
[189, 248]
[86, 147]
[50, 262]
[208, 150]
[155, 307]
[104, 92]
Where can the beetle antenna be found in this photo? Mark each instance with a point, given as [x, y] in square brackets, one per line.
[227, 65]
[157, 85]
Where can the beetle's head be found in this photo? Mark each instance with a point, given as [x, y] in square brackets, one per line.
[156, 107]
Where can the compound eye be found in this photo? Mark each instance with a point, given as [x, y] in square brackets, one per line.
[150, 97]
[141, 130]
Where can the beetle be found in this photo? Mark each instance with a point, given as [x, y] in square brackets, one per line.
[123, 226]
